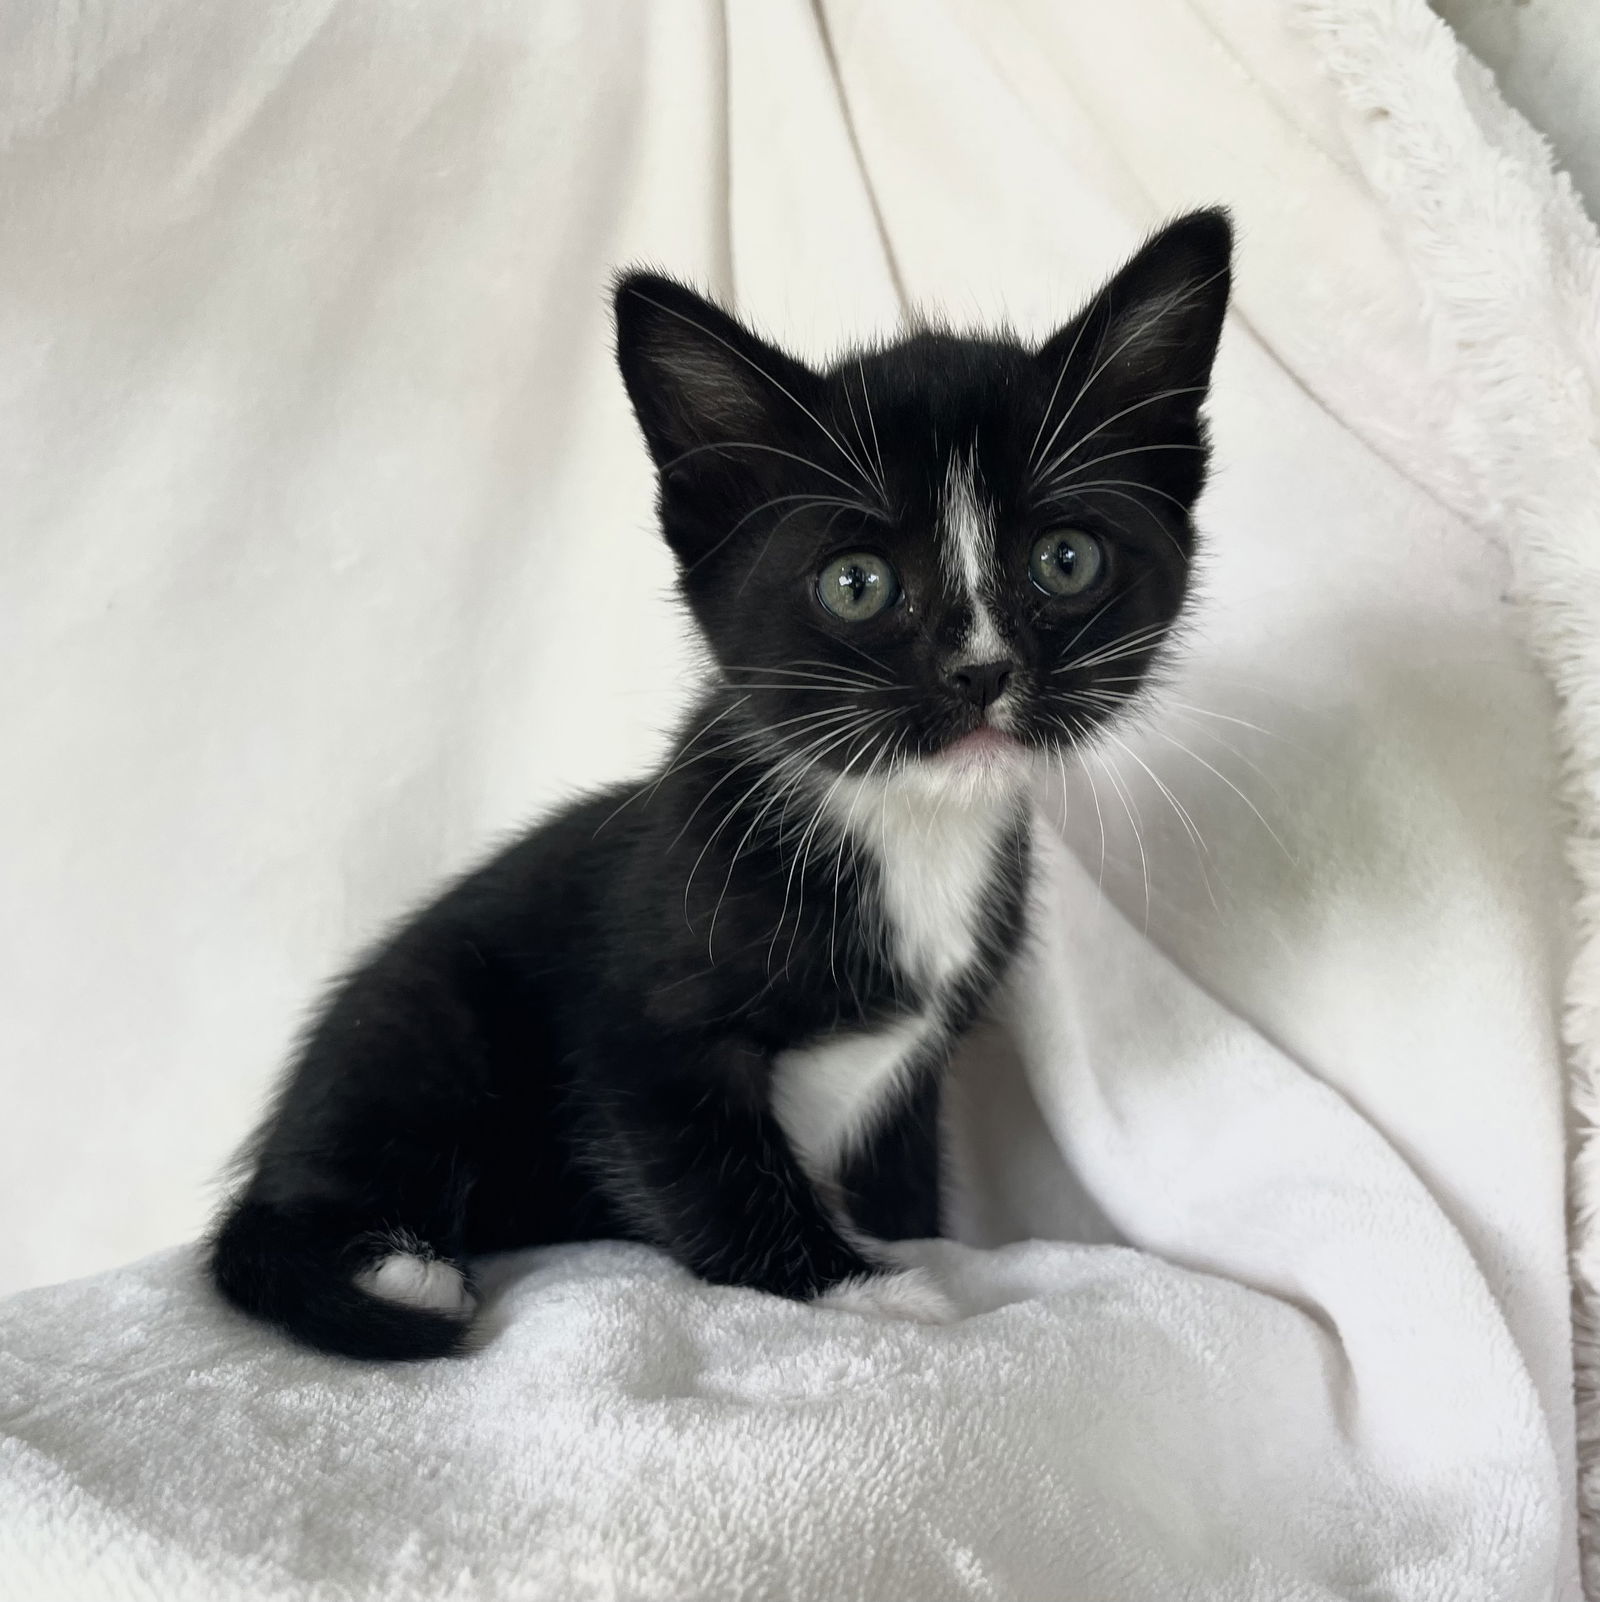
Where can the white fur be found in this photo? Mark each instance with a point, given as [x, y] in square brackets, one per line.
[968, 545]
[933, 830]
[827, 1094]
[907, 1294]
[426, 1282]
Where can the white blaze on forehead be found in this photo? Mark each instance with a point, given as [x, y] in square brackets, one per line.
[967, 546]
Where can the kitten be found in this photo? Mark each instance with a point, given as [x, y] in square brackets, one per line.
[711, 1013]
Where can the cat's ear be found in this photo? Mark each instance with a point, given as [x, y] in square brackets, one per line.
[1148, 339]
[698, 378]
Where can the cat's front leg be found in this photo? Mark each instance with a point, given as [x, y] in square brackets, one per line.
[692, 1154]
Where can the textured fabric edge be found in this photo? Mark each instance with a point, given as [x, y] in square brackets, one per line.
[1507, 266]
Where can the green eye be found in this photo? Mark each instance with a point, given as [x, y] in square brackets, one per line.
[1066, 561]
[857, 586]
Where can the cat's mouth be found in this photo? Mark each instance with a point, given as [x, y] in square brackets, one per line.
[984, 746]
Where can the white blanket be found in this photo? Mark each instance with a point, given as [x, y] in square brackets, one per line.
[336, 561]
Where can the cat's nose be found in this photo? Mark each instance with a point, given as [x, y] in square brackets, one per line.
[981, 683]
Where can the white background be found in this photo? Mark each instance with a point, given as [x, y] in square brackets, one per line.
[326, 545]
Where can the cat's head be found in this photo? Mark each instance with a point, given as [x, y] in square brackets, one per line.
[934, 556]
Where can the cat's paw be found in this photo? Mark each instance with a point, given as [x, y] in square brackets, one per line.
[416, 1281]
[909, 1295]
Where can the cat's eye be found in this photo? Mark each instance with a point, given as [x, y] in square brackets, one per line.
[1066, 561]
[857, 586]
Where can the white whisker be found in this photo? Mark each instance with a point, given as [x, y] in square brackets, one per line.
[778, 795]
[1077, 338]
[1139, 331]
[1080, 733]
[1203, 850]
[807, 668]
[877, 451]
[1102, 487]
[855, 422]
[807, 502]
[1056, 484]
[1088, 622]
[1052, 467]
[1133, 484]
[851, 646]
[1131, 644]
[764, 778]
[1138, 834]
[723, 446]
[1289, 855]
[800, 861]
[678, 762]
[755, 756]
[761, 372]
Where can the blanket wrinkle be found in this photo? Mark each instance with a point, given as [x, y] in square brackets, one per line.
[885, 244]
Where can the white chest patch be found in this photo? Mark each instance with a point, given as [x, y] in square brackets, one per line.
[827, 1094]
[936, 847]
[935, 840]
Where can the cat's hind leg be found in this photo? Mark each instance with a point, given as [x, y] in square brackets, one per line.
[349, 1232]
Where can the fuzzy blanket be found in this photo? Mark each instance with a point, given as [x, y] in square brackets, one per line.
[336, 560]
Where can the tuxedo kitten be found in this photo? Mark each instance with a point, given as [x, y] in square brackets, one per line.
[711, 1012]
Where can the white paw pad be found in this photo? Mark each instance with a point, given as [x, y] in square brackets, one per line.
[427, 1282]
[908, 1294]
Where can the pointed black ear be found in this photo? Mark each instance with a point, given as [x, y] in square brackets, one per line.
[1152, 330]
[697, 377]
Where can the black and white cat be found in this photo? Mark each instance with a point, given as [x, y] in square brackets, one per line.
[711, 1012]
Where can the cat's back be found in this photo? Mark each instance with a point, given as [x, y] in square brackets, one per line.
[530, 911]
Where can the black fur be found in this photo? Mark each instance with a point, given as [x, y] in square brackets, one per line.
[578, 1040]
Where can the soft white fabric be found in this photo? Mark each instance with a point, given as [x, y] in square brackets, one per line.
[630, 1432]
[329, 558]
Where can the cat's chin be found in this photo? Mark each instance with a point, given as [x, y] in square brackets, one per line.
[984, 768]
[987, 762]
[986, 749]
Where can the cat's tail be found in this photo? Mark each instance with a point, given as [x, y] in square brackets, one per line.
[374, 1294]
